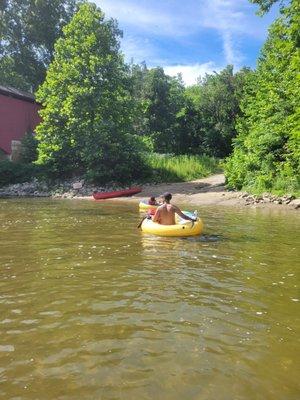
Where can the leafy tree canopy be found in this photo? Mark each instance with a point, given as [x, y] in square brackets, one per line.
[28, 31]
[158, 99]
[207, 122]
[87, 115]
[265, 5]
[193, 120]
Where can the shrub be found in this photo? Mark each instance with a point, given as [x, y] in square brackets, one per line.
[29, 151]
[15, 172]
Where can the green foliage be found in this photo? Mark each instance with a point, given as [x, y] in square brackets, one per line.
[115, 158]
[11, 172]
[88, 110]
[267, 150]
[207, 122]
[158, 98]
[9, 74]
[190, 132]
[196, 120]
[146, 143]
[265, 5]
[29, 148]
[169, 168]
[28, 31]
[138, 75]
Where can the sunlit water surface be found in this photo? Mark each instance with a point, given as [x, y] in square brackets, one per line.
[91, 308]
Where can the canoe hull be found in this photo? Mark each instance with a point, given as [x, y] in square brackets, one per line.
[117, 193]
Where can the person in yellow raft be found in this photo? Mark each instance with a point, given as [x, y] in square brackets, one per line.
[165, 214]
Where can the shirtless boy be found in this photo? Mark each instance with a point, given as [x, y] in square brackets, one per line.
[165, 214]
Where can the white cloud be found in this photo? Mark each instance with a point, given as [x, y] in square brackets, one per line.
[136, 49]
[176, 18]
[190, 73]
[147, 18]
[229, 18]
[139, 49]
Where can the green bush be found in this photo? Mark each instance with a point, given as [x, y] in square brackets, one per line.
[11, 172]
[29, 151]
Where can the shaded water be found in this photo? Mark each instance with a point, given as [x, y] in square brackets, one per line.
[90, 308]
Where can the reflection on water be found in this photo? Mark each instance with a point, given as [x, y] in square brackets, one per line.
[91, 308]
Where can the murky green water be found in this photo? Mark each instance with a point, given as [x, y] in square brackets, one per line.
[90, 308]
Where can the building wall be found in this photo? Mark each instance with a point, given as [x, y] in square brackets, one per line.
[16, 118]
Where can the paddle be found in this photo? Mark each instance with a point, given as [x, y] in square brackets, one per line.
[140, 224]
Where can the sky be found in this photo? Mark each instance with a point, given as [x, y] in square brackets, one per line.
[191, 37]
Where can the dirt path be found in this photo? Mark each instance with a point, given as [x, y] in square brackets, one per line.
[204, 191]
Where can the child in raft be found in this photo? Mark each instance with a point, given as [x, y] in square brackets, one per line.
[152, 201]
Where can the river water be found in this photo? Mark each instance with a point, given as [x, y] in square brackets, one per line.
[91, 308]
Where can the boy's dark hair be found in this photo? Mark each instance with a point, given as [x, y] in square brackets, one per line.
[152, 198]
[167, 196]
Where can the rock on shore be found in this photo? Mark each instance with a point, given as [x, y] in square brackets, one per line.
[269, 198]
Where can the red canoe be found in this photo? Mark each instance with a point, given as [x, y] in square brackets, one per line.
[118, 193]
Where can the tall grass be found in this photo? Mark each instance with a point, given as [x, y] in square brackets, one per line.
[169, 168]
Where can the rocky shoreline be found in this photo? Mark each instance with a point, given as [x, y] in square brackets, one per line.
[66, 189]
[267, 198]
[206, 191]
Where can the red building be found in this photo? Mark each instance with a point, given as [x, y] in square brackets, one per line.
[18, 115]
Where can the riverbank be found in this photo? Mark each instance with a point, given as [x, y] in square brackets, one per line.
[205, 191]
[212, 191]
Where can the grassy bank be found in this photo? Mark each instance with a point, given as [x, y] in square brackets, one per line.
[168, 168]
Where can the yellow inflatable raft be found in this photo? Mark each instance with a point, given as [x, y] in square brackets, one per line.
[182, 228]
[144, 206]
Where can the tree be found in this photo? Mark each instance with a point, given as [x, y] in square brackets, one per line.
[29, 148]
[265, 5]
[198, 119]
[267, 150]
[164, 97]
[87, 114]
[158, 98]
[219, 108]
[207, 122]
[190, 128]
[28, 31]
[138, 74]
